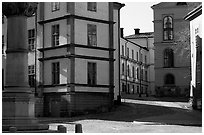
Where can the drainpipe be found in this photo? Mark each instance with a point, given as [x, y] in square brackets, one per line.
[140, 64]
[126, 59]
[35, 52]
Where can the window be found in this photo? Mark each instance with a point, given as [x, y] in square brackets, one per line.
[137, 73]
[137, 56]
[92, 73]
[122, 50]
[31, 75]
[127, 52]
[141, 59]
[31, 39]
[168, 58]
[133, 71]
[145, 59]
[123, 68]
[91, 6]
[3, 44]
[55, 73]
[142, 74]
[168, 28]
[128, 70]
[169, 79]
[92, 35]
[132, 54]
[55, 35]
[55, 6]
[146, 75]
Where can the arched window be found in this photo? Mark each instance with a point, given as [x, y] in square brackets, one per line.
[168, 58]
[169, 79]
[168, 28]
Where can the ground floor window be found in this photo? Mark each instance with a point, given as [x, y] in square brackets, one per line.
[31, 75]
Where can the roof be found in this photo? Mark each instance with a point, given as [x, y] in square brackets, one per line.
[145, 48]
[194, 13]
[141, 35]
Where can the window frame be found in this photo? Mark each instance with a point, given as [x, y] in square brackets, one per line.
[55, 6]
[91, 34]
[168, 29]
[92, 6]
[31, 39]
[92, 73]
[132, 54]
[55, 73]
[31, 75]
[168, 58]
[55, 35]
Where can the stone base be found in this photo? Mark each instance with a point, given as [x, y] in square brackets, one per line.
[30, 127]
[18, 110]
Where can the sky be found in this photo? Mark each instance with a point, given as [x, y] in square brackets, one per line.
[137, 15]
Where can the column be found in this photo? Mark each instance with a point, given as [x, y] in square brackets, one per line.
[18, 107]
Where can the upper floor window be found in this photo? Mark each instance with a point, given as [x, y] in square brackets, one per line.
[123, 68]
[122, 50]
[132, 54]
[137, 56]
[168, 28]
[55, 73]
[127, 52]
[31, 39]
[31, 75]
[55, 6]
[92, 35]
[55, 35]
[128, 70]
[92, 73]
[168, 58]
[133, 71]
[146, 76]
[145, 59]
[3, 44]
[91, 6]
[169, 79]
[137, 73]
[141, 59]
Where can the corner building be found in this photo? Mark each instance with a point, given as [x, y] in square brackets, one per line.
[172, 61]
[75, 54]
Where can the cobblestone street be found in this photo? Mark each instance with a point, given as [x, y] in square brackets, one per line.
[141, 115]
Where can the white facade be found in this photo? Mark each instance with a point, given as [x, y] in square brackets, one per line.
[73, 55]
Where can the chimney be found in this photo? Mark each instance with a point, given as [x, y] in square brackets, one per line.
[137, 31]
[121, 32]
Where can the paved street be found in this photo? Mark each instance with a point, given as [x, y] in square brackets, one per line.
[139, 115]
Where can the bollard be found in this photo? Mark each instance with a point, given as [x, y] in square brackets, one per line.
[78, 128]
[61, 129]
[12, 129]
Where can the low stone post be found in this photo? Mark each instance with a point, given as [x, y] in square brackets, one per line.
[78, 128]
[62, 129]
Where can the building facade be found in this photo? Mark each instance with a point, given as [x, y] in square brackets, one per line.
[135, 65]
[172, 60]
[72, 54]
[195, 18]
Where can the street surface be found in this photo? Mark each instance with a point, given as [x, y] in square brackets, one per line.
[139, 115]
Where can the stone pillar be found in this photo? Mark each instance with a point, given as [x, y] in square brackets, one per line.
[18, 101]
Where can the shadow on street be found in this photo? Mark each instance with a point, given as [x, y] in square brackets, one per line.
[130, 112]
